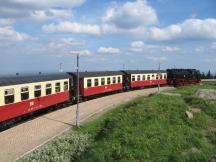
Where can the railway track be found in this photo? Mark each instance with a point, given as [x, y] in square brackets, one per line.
[26, 137]
[209, 80]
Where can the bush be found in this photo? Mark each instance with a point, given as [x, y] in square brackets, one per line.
[63, 149]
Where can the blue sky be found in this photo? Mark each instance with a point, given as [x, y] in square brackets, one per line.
[39, 35]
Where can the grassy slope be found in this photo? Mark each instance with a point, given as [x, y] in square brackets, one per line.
[188, 95]
[189, 90]
[147, 129]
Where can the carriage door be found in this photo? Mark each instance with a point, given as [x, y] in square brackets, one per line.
[126, 81]
[37, 94]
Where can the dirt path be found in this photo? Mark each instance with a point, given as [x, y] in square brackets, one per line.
[26, 137]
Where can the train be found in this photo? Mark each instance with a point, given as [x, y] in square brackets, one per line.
[21, 95]
[181, 77]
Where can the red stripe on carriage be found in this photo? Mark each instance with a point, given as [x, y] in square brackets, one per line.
[101, 89]
[143, 83]
[20, 108]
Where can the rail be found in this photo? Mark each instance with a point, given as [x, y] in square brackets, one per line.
[208, 80]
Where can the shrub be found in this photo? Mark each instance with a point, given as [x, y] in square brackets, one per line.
[63, 149]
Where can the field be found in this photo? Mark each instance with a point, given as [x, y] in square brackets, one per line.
[151, 128]
[190, 90]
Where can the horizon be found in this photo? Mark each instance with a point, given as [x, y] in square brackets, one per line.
[58, 71]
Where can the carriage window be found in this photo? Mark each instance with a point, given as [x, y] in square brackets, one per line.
[133, 78]
[48, 89]
[161, 77]
[57, 87]
[24, 93]
[96, 82]
[119, 79]
[9, 96]
[65, 86]
[156, 77]
[148, 78]
[37, 91]
[89, 84]
[165, 76]
[114, 79]
[102, 81]
[143, 77]
[108, 80]
[138, 77]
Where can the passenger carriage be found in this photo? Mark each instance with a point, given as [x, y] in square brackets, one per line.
[101, 82]
[144, 78]
[21, 95]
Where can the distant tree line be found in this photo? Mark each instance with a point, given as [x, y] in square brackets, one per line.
[208, 75]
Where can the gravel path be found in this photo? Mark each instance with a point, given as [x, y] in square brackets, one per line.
[26, 137]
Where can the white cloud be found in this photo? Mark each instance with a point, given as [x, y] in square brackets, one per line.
[190, 29]
[170, 49]
[106, 28]
[157, 59]
[8, 33]
[55, 45]
[131, 15]
[213, 45]
[110, 28]
[6, 22]
[22, 8]
[72, 27]
[199, 49]
[194, 29]
[140, 46]
[48, 3]
[51, 14]
[81, 53]
[137, 44]
[108, 50]
[72, 42]
[65, 42]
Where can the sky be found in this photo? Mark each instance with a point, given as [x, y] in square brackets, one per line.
[38, 36]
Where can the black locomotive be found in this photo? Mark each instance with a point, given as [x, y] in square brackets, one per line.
[181, 77]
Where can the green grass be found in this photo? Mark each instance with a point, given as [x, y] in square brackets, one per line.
[212, 137]
[149, 129]
[189, 90]
[188, 94]
[206, 106]
[146, 129]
